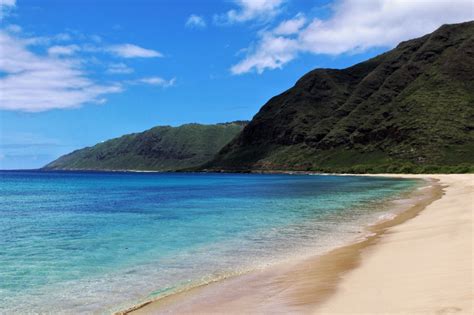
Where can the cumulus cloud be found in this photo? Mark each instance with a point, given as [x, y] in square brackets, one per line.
[157, 81]
[271, 52]
[119, 68]
[35, 83]
[250, 10]
[354, 26]
[62, 50]
[133, 51]
[195, 21]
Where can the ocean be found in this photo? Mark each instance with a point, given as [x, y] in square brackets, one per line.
[83, 242]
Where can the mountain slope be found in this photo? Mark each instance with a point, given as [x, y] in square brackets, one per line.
[161, 148]
[410, 109]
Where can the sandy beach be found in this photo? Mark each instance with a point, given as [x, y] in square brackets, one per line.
[420, 262]
[424, 266]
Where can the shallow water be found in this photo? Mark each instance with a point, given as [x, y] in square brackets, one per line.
[81, 242]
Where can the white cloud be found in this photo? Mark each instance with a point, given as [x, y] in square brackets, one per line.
[272, 52]
[5, 6]
[63, 50]
[355, 26]
[250, 10]
[63, 37]
[96, 38]
[119, 68]
[35, 83]
[7, 3]
[16, 30]
[133, 51]
[13, 28]
[158, 81]
[195, 21]
[292, 26]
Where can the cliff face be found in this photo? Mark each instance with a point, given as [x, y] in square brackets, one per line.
[162, 148]
[410, 107]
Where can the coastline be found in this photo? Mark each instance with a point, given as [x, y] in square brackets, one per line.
[300, 286]
[423, 266]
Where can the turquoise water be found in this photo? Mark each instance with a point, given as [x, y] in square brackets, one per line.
[81, 242]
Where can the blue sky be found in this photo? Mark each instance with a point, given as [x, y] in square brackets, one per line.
[74, 73]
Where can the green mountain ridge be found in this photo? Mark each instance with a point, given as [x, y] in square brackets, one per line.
[410, 109]
[162, 148]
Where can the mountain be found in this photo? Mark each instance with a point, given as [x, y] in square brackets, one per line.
[162, 148]
[410, 109]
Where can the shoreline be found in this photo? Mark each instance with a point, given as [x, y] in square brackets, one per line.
[230, 171]
[301, 285]
[423, 266]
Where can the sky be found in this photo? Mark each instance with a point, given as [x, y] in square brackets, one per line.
[74, 73]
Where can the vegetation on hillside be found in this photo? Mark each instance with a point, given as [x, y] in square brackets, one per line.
[161, 148]
[408, 110]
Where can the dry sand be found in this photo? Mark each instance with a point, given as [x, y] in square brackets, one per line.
[420, 262]
[422, 266]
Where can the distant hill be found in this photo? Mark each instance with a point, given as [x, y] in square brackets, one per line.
[161, 148]
[408, 110]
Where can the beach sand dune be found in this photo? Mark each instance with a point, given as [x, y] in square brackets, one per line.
[421, 262]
